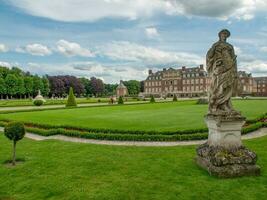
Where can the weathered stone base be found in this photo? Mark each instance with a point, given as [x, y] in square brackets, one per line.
[226, 163]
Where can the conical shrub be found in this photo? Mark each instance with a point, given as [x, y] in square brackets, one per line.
[71, 102]
[174, 97]
[152, 99]
[120, 101]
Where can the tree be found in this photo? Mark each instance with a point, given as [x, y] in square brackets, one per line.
[14, 131]
[11, 84]
[120, 101]
[37, 85]
[97, 86]
[110, 89]
[71, 102]
[152, 99]
[28, 83]
[57, 86]
[20, 87]
[133, 86]
[87, 86]
[142, 86]
[2, 87]
[174, 97]
[46, 88]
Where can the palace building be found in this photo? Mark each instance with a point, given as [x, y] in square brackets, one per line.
[194, 82]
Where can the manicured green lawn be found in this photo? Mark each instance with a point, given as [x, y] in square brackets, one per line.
[61, 170]
[158, 116]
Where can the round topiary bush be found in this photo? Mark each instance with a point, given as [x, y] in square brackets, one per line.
[71, 102]
[38, 102]
[14, 131]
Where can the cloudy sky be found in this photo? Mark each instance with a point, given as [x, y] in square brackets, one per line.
[122, 39]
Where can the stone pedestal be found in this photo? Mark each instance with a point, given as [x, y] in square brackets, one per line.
[223, 155]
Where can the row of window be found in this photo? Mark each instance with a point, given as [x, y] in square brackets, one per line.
[171, 89]
[174, 82]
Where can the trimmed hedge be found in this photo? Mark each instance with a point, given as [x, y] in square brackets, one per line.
[118, 136]
[127, 135]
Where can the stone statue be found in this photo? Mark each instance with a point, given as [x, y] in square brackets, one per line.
[223, 154]
[222, 68]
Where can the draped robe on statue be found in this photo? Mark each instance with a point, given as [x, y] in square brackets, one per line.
[222, 68]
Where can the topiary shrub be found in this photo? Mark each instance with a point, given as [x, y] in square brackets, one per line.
[120, 101]
[71, 102]
[174, 97]
[152, 99]
[38, 102]
[14, 131]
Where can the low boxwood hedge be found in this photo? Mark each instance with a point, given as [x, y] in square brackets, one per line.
[128, 135]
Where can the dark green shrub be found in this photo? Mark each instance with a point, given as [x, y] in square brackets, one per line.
[152, 99]
[71, 102]
[120, 101]
[174, 97]
[38, 102]
[14, 131]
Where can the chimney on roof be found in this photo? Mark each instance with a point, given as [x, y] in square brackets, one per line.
[150, 71]
[183, 67]
[201, 66]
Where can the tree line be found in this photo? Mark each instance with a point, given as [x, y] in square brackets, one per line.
[15, 83]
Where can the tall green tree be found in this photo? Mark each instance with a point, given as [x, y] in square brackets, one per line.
[87, 86]
[133, 86]
[11, 84]
[20, 87]
[37, 85]
[46, 88]
[28, 82]
[2, 87]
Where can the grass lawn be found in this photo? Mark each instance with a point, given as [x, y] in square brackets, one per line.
[158, 116]
[61, 170]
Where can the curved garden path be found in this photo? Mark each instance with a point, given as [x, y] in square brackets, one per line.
[255, 134]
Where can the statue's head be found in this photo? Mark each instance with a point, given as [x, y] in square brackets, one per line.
[224, 34]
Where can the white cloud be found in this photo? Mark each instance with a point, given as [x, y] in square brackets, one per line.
[72, 49]
[151, 32]
[109, 73]
[35, 49]
[5, 64]
[239, 9]
[256, 67]
[92, 10]
[263, 49]
[147, 56]
[3, 48]
[8, 64]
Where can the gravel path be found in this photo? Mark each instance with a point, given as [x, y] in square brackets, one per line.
[256, 134]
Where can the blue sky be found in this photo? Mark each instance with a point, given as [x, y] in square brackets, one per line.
[122, 39]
